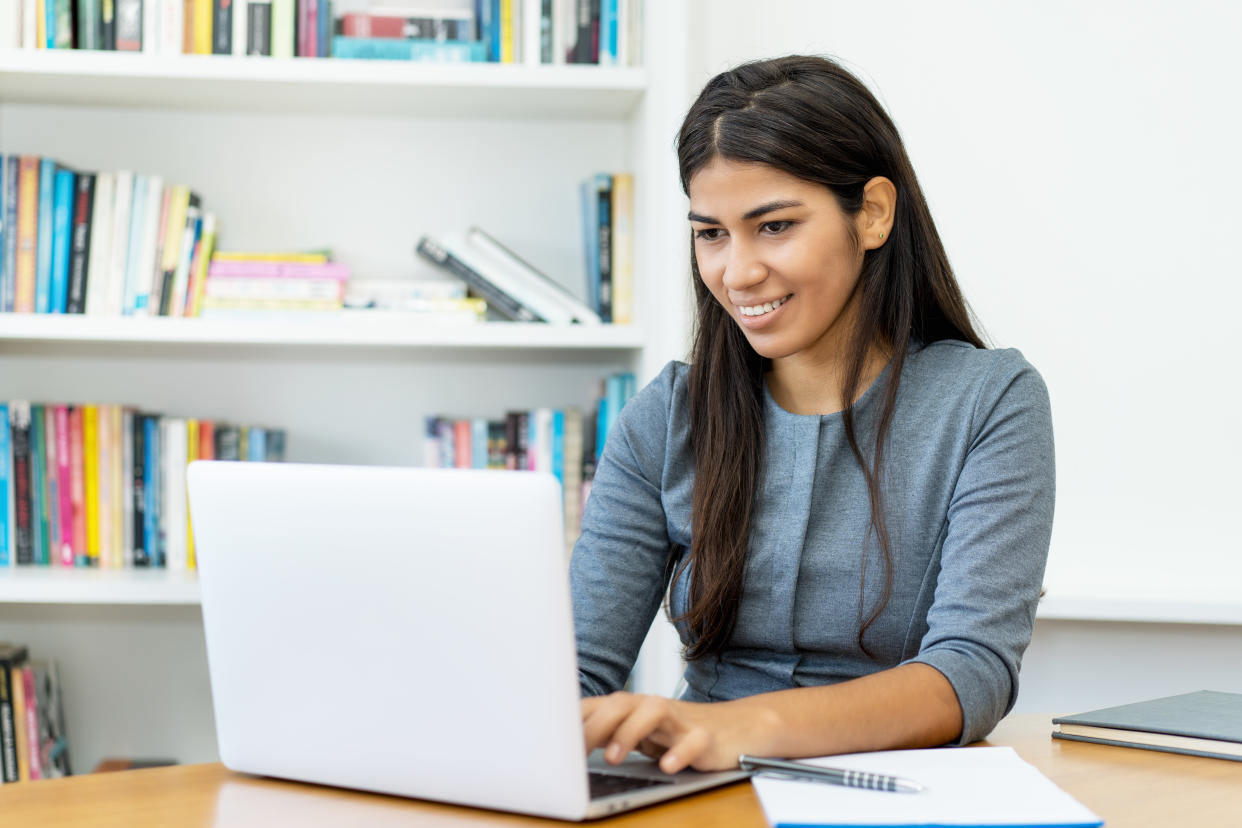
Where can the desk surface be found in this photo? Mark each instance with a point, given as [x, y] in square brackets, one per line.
[1129, 788]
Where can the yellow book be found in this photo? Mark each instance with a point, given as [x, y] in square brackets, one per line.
[174, 225]
[191, 454]
[507, 35]
[90, 479]
[202, 27]
[19, 719]
[103, 467]
[622, 267]
[40, 13]
[314, 257]
[118, 486]
[198, 281]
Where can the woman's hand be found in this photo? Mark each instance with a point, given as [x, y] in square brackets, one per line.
[706, 737]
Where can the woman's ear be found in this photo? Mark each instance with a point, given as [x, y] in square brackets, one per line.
[875, 220]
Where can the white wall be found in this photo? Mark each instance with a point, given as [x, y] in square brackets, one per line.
[1081, 163]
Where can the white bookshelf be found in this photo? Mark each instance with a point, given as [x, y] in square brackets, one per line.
[362, 157]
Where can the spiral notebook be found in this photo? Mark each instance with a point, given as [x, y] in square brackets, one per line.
[984, 786]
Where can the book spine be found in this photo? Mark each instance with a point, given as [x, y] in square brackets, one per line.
[172, 26]
[62, 240]
[77, 489]
[107, 25]
[43, 253]
[125, 470]
[557, 446]
[283, 14]
[149, 248]
[84, 190]
[420, 50]
[172, 516]
[463, 455]
[324, 29]
[8, 723]
[64, 484]
[19, 424]
[495, 297]
[90, 480]
[191, 454]
[431, 442]
[88, 24]
[259, 28]
[222, 27]
[134, 246]
[51, 485]
[31, 723]
[104, 446]
[241, 17]
[38, 487]
[603, 188]
[150, 491]
[151, 27]
[478, 443]
[100, 258]
[123, 203]
[128, 14]
[622, 248]
[531, 31]
[138, 454]
[8, 251]
[608, 33]
[545, 31]
[26, 224]
[156, 271]
[6, 490]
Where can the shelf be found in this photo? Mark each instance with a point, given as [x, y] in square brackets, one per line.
[365, 329]
[1142, 608]
[55, 585]
[318, 86]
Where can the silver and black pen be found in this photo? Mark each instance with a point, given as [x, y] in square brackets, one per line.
[833, 776]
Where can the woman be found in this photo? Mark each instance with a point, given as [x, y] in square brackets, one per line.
[850, 497]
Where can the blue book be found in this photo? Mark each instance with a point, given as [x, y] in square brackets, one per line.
[6, 474]
[608, 33]
[478, 443]
[62, 238]
[601, 427]
[325, 28]
[590, 240]
[256, 449]
[49, 25]
[8, 253]
[558, 446]
[43, 254]
[137, 221]
[152, 485]
[413, 49]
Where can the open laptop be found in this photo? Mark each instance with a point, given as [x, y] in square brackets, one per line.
[406, 631]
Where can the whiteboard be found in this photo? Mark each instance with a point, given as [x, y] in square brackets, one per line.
[1082, 163]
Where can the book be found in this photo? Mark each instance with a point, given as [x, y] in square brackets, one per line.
[27, 231]
[622, 248]
[129, 34]
[8, 245]
[12, 656]
[19, 426]
[1203, 723]
[64, 485]
[259, 27]
[79, 251]
[458, 26]
[77, 491]
[6, 488]
[53, 744]
[43, 254]
[31, 723]
[62, 239]
[283, 17]
[425, 50]
[100, 256]
[531, 277]
[497, 297]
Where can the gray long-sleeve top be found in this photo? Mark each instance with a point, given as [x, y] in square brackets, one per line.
[969, 489]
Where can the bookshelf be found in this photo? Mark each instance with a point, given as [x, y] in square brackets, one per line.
[362, 157]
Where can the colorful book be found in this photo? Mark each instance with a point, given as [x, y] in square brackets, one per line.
[420, 50]
[90, 480]
[151, 488]
[12, 657]
[64, 485]
[43, 251]
[154, 205]
[603, 192]
[137, 487]
[31, 723]
[173, 519]
[284, 16]
[62, 239]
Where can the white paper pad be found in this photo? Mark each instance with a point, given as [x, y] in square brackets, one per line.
[985, 786]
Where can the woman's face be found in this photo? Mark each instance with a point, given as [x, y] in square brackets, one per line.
[778, 254]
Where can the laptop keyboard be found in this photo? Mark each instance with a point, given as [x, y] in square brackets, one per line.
[607, 784]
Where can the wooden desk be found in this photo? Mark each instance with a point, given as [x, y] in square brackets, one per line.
[1128, 788]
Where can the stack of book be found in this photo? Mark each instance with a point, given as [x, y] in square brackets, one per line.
[103, 485]
[33, 744]
[106, 243]
[511, 286]
[607, 201]
[564, 442]
[248, 284]
[603, 32]
[440, 300]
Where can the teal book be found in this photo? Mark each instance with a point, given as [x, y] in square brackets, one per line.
[415, 49]
[1203, 723]
[43, 250]
[62, 239]
[38, 486]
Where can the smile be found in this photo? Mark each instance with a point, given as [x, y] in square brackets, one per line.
[760, 310]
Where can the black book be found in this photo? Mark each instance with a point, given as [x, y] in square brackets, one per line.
[222, 27]
[19, 421]
[274, 447]
[259, 28]
[11, 657]
[496, 298]
[227, 442]
[107, 26]
[138, 475]
[605, 253]
[83, 199]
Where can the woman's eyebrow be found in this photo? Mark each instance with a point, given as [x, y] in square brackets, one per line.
[771, 206]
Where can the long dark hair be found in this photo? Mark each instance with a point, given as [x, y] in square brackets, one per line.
[813, 119]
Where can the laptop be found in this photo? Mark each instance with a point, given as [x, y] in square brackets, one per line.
[405, 631]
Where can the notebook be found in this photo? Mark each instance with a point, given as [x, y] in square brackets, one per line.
[406, 631]
[983, 786]
[1204, 723]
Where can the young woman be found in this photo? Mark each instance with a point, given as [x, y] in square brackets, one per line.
[847, 498]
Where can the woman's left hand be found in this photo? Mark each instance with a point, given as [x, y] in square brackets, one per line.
[706, 737]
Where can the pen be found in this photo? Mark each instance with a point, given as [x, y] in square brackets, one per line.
[833, 776]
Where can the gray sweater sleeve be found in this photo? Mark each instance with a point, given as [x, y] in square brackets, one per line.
[618, 564]
[995, 548]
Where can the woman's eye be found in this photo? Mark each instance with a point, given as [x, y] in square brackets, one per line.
[709, 234]
[775, 227]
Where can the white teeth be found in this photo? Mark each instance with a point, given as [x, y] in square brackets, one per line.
[760, 310]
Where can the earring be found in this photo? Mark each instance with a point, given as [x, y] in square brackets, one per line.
[881, 237]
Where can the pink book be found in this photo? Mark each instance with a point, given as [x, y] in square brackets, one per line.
[77, 486]
[32, 723]
[64, 484]
[299, 270]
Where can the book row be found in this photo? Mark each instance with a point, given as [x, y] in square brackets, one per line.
[604, 32]
[564, 442]
[103, 485]
[114, 243]
[33, 744]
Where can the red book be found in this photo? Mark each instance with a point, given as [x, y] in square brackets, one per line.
[206, 440]
[32, 722]
[64, 484]
[462, 456]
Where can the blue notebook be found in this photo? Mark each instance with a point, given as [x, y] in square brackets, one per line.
[1204, 723]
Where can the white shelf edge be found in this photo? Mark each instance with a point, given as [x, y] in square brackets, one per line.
[56, 585]
[354, 330]
[1140, 609]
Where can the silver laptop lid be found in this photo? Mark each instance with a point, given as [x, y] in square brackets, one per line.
[392, 629]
